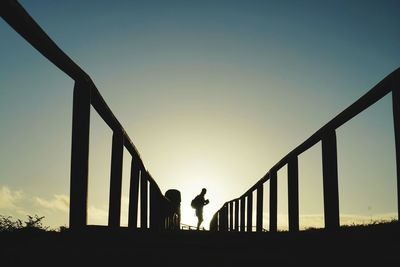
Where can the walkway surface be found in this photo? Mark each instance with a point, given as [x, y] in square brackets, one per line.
[376, 246]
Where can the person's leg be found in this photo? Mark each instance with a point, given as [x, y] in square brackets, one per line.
[200, 221]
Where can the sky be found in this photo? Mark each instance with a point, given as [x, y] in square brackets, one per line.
[212, 93]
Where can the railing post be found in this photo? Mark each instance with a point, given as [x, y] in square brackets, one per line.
[260, 202]
[242, 214]
[293, 193]
[79, 156]
[237, 215]
[273, 202]
[155, 208]
[223, 218]
[133, 195]
[143, 199]
[396, 119]
[330, 181]
[250, 212]
[231, 216]
[114, 216]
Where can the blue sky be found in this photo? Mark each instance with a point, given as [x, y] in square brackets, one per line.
[213, 93]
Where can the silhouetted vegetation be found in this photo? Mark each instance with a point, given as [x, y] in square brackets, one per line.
[9, 224]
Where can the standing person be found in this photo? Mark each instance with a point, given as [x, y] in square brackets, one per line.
[198, 203]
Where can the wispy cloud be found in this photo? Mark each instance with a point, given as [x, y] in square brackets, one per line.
[10, 200]
[57, 203]
[97, 216]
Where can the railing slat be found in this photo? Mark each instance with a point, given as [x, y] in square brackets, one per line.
[293, 194]
[231, 216]
[396, 119]
[156, 220]
[114, 216]
[133, 195]
[242, 214]
[79, 156]
[250, 212]
[143, 199]
[237, 215]
[260, 202]
[330, 181]
[223, 218]
[273, 202]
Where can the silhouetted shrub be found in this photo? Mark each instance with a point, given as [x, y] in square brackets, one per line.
[7, 223]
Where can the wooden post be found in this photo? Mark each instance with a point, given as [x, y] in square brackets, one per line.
[143, 199]
[242, 214]
[231, 216]
[250, 212]
[79, 156]
[223, 218]
[293, 194]
[330, 181]
[396, 119]
[260, 202]
[237, 215]
[155, 208]
[133, 195]
[273, 201]
[226, 217]
[114, 215]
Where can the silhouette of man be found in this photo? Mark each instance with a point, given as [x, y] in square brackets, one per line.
[200, 203]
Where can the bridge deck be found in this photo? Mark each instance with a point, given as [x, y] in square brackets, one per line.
[370, 246]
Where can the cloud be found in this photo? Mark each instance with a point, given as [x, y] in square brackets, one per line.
[97, 216]
[10, 200]
[57, 203]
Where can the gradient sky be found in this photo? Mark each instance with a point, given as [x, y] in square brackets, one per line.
[212, 93]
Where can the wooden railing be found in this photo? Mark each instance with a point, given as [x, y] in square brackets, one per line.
[160, 208]
[231, 216]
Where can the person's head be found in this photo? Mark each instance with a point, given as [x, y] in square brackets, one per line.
[203, 191]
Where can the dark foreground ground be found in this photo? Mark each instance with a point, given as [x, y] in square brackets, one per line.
[377, 245]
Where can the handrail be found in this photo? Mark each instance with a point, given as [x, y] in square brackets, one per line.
[86, 94]
[326, 134]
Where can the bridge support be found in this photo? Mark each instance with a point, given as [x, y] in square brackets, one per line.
[330, 181]
[79, 156]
